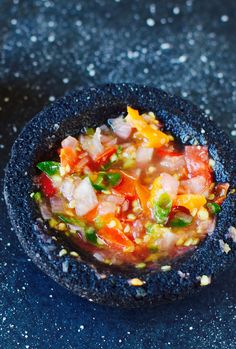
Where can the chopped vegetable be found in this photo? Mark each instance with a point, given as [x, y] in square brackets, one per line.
[190, 201]
[155, 138]
[213, 208]
[49, 167]
[69, 158]
[162, 208]
[46, 185]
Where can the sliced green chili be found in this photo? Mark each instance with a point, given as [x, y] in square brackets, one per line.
[49, 167]
[72, 220]
[213, 208]
[162, 208]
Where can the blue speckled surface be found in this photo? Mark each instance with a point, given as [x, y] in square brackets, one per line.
[49, 47]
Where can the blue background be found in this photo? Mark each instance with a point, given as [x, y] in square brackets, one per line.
[46, 49]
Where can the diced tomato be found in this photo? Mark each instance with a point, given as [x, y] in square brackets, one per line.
[115, 238]
[46, 185]
[143, 195]
[102, 158]
[69, 157]
[126, 186]
[197, 162]
[164, 152]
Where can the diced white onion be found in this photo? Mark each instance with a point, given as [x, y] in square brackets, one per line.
[116, 199]
[70, 142]
[144, 155]
[172, 163]
[106, 207]
[195, 185]
[67, 188]
[57, 204]
[92, 144]
[120, 127]
[168, 240]
[85, 197]
[45, 211]
[170, 184]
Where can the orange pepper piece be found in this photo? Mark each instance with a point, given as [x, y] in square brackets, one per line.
[68, 157]
[116, 238]
[155, 138]
[190, 201]
[143, 194]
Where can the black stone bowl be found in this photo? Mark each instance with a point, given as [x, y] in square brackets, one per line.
[85, 277]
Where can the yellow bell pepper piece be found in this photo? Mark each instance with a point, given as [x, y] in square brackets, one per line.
[190, 201]
[155, 138]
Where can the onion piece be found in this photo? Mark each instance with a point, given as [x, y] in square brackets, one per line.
[168, 240]
[116, 199]
[57, 204]
[67, 188]
[195, 185]
[45, 211]
[170, 184]
[70, 142]
[92, 144]
[85, 197]
[144, 155]
[172, 163]
[120, 127]
[106, 207]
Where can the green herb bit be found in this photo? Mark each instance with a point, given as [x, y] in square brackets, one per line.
[162, 208]
[49, 167]
[37, 196]
[98, 184]
[181, 220]
[91, 236]
[119, 150]
[72, 220]
[213, 208]
[113, 178]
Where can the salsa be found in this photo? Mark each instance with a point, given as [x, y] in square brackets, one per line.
[128, 194]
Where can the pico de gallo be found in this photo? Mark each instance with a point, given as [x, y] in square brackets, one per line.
[128, 193]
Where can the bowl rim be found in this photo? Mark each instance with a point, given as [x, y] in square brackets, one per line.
[110, 286]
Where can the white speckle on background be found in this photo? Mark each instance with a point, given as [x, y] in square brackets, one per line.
[51, 38]
[13, 21]
[165, 46]
[150, 22]
[183, 58]
[176, 10]
[33, 38]
[224, 18]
